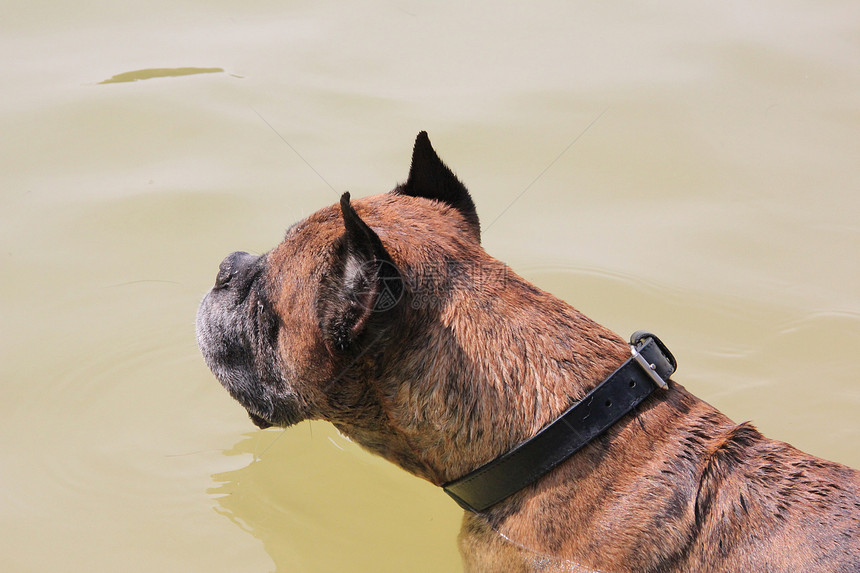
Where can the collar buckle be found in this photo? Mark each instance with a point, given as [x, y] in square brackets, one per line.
[650, 369]
[638, 341]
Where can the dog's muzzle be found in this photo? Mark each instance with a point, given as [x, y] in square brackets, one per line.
[233, 336]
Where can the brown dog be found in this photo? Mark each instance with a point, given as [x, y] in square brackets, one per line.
[385, 317]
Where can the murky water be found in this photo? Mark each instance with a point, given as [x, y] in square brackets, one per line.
[684, 168]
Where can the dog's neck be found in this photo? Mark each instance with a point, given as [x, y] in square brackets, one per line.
[530, 357]
[497, 363]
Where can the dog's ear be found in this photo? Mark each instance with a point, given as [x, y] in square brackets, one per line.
[364, 282]
[430, 178]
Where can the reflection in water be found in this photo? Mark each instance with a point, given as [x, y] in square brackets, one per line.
[159, 73]
[319, 503]
[244, 499]
[304, 511]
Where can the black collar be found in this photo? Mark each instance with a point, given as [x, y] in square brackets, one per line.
[649, 367]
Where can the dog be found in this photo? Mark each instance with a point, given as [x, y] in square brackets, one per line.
[386, 317]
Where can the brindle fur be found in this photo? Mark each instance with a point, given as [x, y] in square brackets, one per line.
[473, 360]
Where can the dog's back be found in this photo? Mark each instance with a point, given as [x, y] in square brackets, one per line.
[763, 505]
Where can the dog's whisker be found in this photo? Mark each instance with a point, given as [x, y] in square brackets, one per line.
[296, 151]
[259, 456]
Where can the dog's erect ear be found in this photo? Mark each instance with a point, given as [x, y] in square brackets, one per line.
[431, 179]
[365, 282]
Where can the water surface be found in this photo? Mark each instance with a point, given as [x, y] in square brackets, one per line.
[688, 169]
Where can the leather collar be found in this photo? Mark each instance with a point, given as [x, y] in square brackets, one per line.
[649, 368]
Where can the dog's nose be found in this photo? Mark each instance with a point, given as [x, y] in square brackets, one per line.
[235, 265]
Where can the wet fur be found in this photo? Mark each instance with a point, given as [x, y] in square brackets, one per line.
[473, 360]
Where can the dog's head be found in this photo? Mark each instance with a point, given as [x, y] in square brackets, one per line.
[386, 317]
[303, 332]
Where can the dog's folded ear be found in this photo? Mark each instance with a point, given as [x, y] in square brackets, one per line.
[363, 283]
[430, 178]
